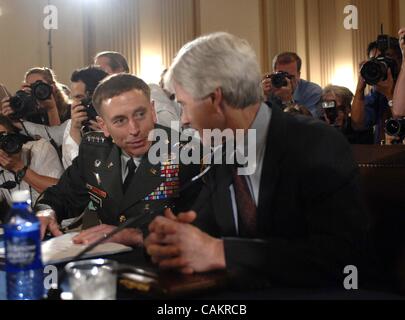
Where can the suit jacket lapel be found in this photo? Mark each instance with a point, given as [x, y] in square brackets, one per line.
[146, 179]
[271, 164]
[111, 178]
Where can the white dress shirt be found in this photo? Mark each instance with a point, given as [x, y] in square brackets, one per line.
[41, 157]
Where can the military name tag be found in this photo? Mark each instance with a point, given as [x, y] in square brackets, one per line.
[96, 191]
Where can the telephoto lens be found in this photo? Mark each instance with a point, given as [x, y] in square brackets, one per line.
[41, 90]
[376, 70]
[11, 143]
[23, 104]
[395, 127]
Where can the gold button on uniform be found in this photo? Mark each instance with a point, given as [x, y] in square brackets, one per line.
[123, 219]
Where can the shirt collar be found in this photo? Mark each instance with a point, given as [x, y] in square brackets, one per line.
[261, 126]
[125, 157]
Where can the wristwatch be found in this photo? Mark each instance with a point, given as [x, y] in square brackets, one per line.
[20, 174]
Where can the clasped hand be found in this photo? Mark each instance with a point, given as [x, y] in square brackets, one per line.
[173, 243]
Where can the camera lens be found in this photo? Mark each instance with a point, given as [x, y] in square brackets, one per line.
[22, 104]
[41, 90]
[16, 103]
[278, 80]
[10, 143]
[395, 127]
[374, 71]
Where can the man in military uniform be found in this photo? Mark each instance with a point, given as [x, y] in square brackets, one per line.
[113, 169]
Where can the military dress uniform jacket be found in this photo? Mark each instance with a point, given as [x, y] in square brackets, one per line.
[309, 217]
[96, 176]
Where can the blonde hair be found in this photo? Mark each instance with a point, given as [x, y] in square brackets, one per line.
[61, 99]
[344, 93]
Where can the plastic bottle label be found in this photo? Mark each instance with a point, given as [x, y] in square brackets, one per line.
[23, 251]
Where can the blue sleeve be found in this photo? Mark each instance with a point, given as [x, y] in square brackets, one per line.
[370, 106]
[309, 94]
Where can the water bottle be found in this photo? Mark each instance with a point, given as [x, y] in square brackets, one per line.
[22, 237]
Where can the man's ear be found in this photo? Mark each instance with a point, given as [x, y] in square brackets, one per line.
[152, 103]
[217, 100]
[103, 126]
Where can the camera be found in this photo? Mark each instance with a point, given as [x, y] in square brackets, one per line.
[25, 104]
[395, 128]
[330, 110]
[11, 143]
[279, 79]
[41, 90]
[91, 112]
[376, 69]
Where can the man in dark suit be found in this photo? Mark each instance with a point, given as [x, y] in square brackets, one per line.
[296, 219]
[114, 170]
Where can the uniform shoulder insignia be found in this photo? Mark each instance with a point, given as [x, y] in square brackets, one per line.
[96, 137]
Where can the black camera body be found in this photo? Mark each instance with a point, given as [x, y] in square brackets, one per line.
[41, 90]
[395, 128]
[11, 143]
[279, 79]
[376, 69]
[25, 104]
[330, 110]
[91, 112]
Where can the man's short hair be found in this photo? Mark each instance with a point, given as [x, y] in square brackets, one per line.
[287, 58]
[394, 42]
[344, 93]
[116, 60]
[218, 60]
[8, 124]
[90, 76]
[116, 85]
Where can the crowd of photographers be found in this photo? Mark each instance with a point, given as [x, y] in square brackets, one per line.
[373, 115]
[42, 124]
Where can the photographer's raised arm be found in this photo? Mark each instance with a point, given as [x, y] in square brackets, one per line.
[399, 93]
[358, 106]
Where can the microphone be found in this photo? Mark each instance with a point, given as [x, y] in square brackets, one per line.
[8, 185]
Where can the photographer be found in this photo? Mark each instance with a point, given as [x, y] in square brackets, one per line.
[336, 111]
[285, 87]
[375, 108]
[42, 99]
[111, 62]
[83, 83]
[25, 165]
[399, 93]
